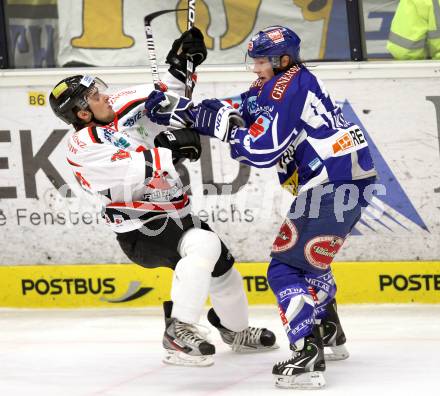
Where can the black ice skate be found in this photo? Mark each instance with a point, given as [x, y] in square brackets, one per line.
[184, 344]
[304, 369]
[252, 339]
[333, 336]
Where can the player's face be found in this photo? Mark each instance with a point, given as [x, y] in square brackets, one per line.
[262, 67]
[99, 105]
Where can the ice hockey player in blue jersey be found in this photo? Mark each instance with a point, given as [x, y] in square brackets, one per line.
[288, 120]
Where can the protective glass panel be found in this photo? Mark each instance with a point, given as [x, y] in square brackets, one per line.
[378, 15]
[32, 33]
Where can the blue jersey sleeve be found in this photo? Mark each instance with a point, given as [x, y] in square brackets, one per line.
[271, 126]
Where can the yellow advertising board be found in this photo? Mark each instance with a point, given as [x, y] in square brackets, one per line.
[129, 285]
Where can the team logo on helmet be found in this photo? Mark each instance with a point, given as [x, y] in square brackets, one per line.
[276, 35]
[250, 45]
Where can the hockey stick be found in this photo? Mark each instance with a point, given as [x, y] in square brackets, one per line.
[189, 63]
[151, 48]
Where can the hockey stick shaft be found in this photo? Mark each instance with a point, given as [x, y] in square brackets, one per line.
[189, 63]
[151, 47]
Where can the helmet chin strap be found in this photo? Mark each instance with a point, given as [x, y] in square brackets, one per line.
[275, 61]
[276, 64]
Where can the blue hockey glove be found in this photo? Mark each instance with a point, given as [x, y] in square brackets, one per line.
[166, 108]
[216, 118]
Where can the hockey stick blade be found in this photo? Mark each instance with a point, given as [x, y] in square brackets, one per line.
[148, 18]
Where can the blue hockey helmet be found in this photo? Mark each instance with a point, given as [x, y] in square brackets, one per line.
[274, 42]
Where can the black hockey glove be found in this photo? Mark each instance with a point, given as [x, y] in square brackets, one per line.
[191, 44]
[184, 143]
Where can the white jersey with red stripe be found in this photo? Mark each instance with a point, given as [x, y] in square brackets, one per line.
[136, 182]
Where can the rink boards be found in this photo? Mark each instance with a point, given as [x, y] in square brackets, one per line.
[396, 104]
[129, 285]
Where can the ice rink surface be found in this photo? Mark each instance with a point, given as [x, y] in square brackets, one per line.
[395, 350]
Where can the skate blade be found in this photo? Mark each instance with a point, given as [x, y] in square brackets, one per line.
[338, 352]
[311, 380]
[178, 358]
[248, 349]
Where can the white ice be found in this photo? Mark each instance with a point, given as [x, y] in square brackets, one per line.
[395, 350]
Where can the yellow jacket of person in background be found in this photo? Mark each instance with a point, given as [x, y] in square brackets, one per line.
[415, 30]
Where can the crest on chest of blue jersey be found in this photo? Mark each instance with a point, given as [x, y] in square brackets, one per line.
[253, 107]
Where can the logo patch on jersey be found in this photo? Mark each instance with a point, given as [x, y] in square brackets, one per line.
[253, 107]
[81, 180]
[276, 35]
[315, 163]
[283, 82]
[259, 127]
[291, 183]
[120, 155]
[286, 238]
[120, 142]
[234, 103]
[289, 292]
[349, 140]
[251, 104]
[134, 118]
[160, 190]
[142, 131]
[321, 250]
[108, 134]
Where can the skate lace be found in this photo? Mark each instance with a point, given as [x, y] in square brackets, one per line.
[247, 337]
[191, 333]
[295, 354]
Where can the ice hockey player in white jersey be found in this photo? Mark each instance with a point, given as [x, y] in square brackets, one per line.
[122, 156]
[288, 120]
